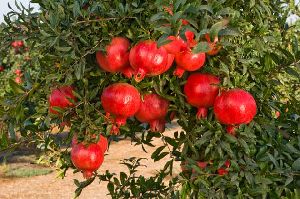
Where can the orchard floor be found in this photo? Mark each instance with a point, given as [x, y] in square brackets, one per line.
[50, 187]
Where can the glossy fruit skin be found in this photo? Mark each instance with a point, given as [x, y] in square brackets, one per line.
[116, 57]
[60, 97]
[235, 107]
[186, 60]
[153, 110]
[148, 60]
[176, 45]
[122, 100]
[2, 68]
[201, 91]
[86, 158]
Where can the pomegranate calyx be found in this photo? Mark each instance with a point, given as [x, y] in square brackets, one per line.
[178, 72]
[87, 174]
[139, 75]
[202, 113]
[157, 125]
[231, 130]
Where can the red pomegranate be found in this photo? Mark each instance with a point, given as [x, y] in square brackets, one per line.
[18, 80]
[17, 44]
[103, 143]
[148, 60]
[122, 100]
[87, 158]
[61, 97]
[214, 46]
[186, 60]
[153, 110]
[2, 68]
[116, 57]
[201, 91]
[234, 107]
[222, 171]
[176, 45]
[18, 72]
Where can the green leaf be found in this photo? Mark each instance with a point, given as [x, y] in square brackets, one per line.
[16, 87]
[201, 47]
[296, 165]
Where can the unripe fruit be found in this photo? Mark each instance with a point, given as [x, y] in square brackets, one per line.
[60, 98]
[234, 107]
[148, 60]
[87, 158]
[153, 110]
[201, 91]
[122, 100]
[116, 57]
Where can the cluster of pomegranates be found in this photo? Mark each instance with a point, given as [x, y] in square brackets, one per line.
[121, 101]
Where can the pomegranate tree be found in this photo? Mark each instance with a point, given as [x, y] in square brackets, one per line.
[153, 110]
[234, 107]
[201, 91]
[122, 100]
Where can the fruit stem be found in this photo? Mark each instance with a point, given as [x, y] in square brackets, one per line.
[231, 129]
[178, 72]
[202, 113]
[157, 125]
[139, 75]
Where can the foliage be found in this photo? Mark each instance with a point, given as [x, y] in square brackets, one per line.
[260, 53]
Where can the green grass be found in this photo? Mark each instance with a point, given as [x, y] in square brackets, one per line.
[21, 172]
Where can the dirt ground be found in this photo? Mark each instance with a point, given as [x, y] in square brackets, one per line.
[50, 187]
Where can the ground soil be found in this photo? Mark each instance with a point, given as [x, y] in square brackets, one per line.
[50, 187]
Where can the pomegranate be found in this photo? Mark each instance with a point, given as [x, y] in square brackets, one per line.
[127, 71]
[148, 60]
[202, 165]
[201, 91]
[17, 44]
[117, 55]
[87, 158]
[214, 46]
[234, 107]
[18, 72]
[122, 100]
[222, 172]
[227, 163]
[153, 110]
[186, 60]
[18, 80]
[2, 68]
[60, 97]
[176, 45]
[103, 143]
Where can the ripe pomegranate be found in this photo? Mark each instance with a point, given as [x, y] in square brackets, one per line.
[176, 45]
[214, 46]
[153, 110]
[17, 44]
[201, 91]
[2, 68]
[227, 163]
[103, 143]
[202, 165]
[117, 55]
[148, 60]
[222, 172]
[60, 97]
[18, 72]
[234, 107]
[186, 60]
[122, 100]
[18, 80]
[87, 158]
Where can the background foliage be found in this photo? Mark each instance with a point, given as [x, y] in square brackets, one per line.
[260, 54]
